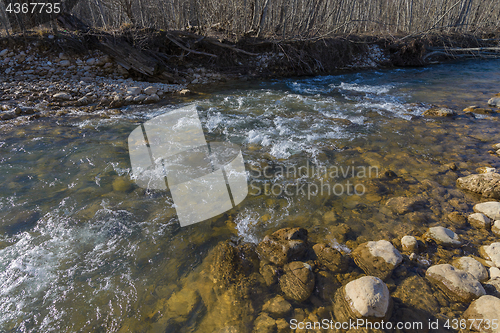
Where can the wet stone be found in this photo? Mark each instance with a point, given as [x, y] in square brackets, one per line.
[297, 283]
[471, 266]
[492, 287]
[377, 258]
[409, 244]
[367, 298]
[496, 228]
[492, 253]
[479, 221]
[486, 184]
[491, 209]
[264, 324]
[485, 308]
[330, 258]
[439, 112]
[458, 285]
[442, 236]
[283, 245]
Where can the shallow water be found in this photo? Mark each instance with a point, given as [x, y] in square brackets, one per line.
[84, 249]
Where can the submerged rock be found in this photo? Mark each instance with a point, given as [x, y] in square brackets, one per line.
[480, 221]
[377, 258]
[439, 112]
[264, 324]
[416, 293]
[491, 252]
[486, 184]
[283, 245]
[472, 266]
[269, 272]
[442, 236]
[403, 205]
[298, 281]
[278, 307]
[330, 258]
[458, 285]
[365, 298]
[491, 209]
[483, 309]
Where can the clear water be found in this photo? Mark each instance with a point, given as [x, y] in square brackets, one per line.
[84, 249]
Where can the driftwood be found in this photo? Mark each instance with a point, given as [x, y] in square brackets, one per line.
[485, 52]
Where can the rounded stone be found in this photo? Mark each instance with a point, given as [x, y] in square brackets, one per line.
[479, 221]
[491, 209]
[368, 297]
[495, 228]
[442, 236]
[491, 252]
[330, 258]
[378, 258]
[409, 244]
[485, 308]
[458, 285]
[473, 267]
[298, 281]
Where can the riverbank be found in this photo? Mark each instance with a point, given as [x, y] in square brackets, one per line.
[46, 74]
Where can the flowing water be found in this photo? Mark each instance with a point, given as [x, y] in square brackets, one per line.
[83, 249]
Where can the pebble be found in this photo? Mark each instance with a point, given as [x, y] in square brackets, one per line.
[409, 244]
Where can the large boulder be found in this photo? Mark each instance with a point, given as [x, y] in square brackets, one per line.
[458, 285]
[486, 184]
[297, 283]
[492, 253]
[330, 258]
[491, 209]
[471, 266]
[482, 311]
[283, 245]
[377, 258]
[366, 298]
